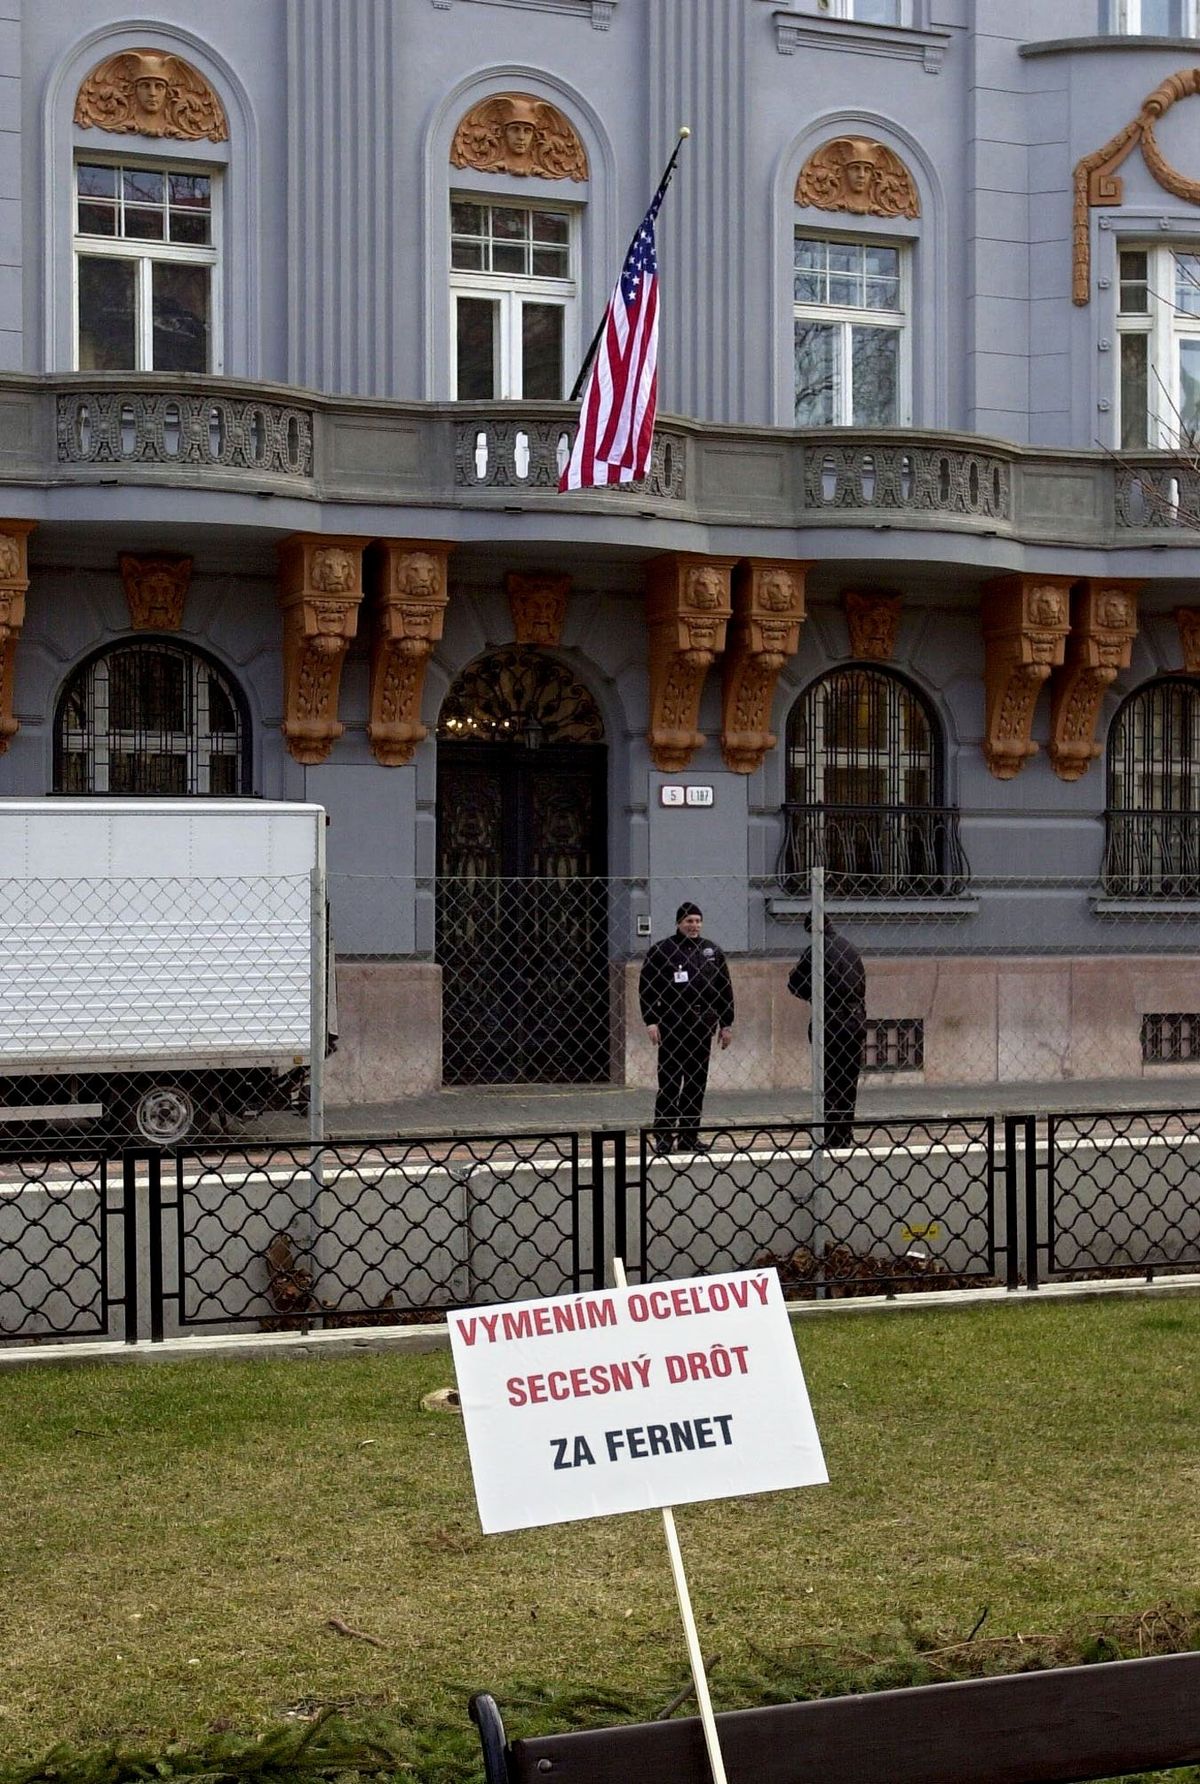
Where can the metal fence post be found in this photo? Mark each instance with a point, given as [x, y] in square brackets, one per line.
[818, 998]
[318, 1040]
[153, 1162]
[129, 1234]
[1012, 1247]
[1032, 1277]
[820, 1157]
[599, 1189]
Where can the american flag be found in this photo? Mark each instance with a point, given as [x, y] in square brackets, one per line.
[620, 398]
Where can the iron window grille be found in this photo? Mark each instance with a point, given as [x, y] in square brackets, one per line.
[1152, 822]
[864, 782]
[894, 1044]
[150, 718]
[1170, 1039]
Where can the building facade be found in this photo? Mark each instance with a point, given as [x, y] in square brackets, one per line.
[291, 296]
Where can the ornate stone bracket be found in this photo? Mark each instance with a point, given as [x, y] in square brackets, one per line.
[539, 608]
[518, 133]
[320, 589]
[1188, 621]
[410, 606]
[1103, 628]
[872, 621]
[687, 608]
[151, 93]
[14, 581]
[768, 610]
[1095, 176]
[1025, 625]
[860, 175]
[156, 589]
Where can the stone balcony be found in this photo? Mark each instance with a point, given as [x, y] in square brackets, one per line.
[351, 460]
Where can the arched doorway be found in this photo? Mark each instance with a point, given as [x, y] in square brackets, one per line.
[522, 907]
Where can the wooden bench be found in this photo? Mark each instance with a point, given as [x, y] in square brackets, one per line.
[1056, 1727]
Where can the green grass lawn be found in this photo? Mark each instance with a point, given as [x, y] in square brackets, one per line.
[176, 1538]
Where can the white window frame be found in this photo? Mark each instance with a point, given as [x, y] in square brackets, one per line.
[145, 254]
[1165, 327]
[1127, 18]
[899, 321]
[848, 9]
[510, 292]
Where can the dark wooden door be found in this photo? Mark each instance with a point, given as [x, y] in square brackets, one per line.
[523, 914]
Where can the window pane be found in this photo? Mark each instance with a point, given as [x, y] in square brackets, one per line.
[192, 227]
[180, 317]
[97, 219]
[95, 181]
[143, 225]
[542, 350]
[817, 393]
[845, 274]
[550, 263]
[142, 185]
[193, 190]
[550, 226]
[510, 257]
[467, 254]
[876, 12]
[1135, 394]
[1189, 387]
[810, 263]
[466, 219]
[1158, 18]
[1135, 293]
[883, 278]
[107, 314]
[477, 330]
[509, 224]
[875, 376]
[1187, 284]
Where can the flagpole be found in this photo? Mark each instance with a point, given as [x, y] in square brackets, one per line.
[588, 357]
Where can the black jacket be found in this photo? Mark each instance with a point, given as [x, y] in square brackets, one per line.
[704, 998]
[845, 981]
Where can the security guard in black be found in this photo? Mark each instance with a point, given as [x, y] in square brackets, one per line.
[686, 997]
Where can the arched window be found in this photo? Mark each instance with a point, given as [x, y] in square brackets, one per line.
[1152, 845]
[150, 717]
[864, 789]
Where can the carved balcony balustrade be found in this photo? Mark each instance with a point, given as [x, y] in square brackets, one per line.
[873, 851]
[228, 435]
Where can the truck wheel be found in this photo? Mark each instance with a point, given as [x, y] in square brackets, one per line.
[164, 1114]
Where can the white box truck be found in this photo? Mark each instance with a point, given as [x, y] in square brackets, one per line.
[156, 961]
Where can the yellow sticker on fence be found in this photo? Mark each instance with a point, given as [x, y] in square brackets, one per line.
[931, 1230]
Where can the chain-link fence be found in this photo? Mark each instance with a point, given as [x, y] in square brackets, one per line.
[145, 1010]
[987, 995]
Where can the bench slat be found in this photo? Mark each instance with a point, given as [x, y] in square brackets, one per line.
[1056, 1727]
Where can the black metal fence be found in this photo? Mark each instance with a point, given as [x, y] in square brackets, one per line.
[289, 1237]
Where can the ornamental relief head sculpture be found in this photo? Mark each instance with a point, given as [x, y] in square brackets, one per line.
[859, 175]
[10, 558]
[333, 570]
[156, 589]
[418, 576]
[777, 592]
[872, 621]
[705, 588]
[1046, 607]
[518, 133]
[150, 93]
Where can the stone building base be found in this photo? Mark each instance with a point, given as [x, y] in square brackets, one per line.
[985, 1021]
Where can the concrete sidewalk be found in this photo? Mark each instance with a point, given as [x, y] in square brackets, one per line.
[543, 1108]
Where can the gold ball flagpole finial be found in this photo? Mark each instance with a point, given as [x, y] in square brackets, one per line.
[684, 130]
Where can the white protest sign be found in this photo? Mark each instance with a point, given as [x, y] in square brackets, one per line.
[629, 1398]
